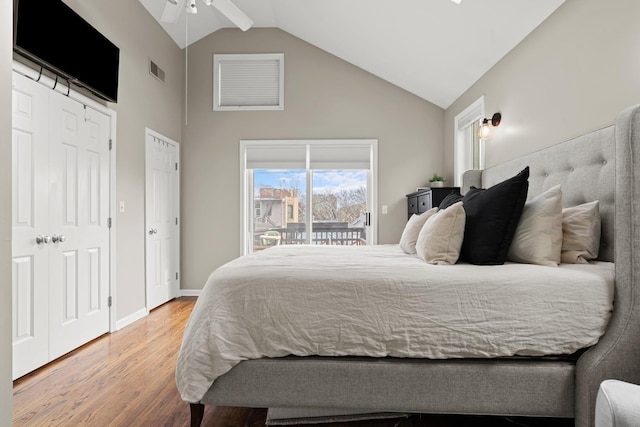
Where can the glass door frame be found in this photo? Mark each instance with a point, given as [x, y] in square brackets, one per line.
[247, 184]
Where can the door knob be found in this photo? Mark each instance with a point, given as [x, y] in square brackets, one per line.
[61, 238]
[40, 239]
[153, 231]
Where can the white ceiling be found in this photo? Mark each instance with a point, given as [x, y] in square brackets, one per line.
[435, 49]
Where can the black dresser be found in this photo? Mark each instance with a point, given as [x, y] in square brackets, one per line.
[423, 200]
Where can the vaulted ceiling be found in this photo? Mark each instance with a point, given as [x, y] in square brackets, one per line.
[435, 49]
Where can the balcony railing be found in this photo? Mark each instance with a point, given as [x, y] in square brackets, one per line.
[323, 233]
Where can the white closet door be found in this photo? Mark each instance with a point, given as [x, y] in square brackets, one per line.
[161, 212]
[30, 188]
[79, 200]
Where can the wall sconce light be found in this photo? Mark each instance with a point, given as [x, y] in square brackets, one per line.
[485, 131]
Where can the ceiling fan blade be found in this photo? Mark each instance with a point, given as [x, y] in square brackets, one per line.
[172, 11]
[232, 13]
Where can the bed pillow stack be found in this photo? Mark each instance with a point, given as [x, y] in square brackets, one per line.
[494, 225]
[550, 235]
[545, 233]
[476, 228]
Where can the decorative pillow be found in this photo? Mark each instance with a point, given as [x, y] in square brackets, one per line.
[412, 230]
[581, 233]
[449, 200]
[538, 237]
[441, 236]
[492, 218]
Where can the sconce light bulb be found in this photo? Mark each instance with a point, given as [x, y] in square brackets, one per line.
[485, 131]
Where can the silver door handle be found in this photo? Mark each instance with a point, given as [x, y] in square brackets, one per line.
[40, 239]
[61, 238]
[153, 231]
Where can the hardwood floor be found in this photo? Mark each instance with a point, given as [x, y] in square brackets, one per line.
[127, 379]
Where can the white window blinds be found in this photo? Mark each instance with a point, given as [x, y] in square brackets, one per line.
[323, 154]
[248, 82]
[275, 156]
[343, 156]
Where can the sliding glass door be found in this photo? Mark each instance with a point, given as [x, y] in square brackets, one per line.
[307, 192]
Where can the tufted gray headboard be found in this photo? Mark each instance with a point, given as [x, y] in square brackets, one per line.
[585, 168]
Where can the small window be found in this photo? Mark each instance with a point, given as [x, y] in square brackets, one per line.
[290, 212]
[248, 82]
[468, 147]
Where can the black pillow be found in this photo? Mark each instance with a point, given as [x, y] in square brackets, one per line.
[492, 216]
[449, 199]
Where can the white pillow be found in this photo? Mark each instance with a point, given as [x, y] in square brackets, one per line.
[440, 239]
[538, 237]
[581, 233]
[412, 229]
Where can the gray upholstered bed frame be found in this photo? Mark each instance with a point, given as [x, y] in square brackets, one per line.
[603, 165]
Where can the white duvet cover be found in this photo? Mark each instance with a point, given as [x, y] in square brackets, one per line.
[377, 301]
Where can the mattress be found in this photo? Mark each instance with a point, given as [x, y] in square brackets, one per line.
[378, 301]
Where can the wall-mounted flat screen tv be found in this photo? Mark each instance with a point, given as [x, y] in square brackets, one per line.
[52, 35]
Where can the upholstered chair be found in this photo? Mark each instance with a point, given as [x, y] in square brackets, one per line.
[618, 404]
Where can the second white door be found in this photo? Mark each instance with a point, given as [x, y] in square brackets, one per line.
[162, 207]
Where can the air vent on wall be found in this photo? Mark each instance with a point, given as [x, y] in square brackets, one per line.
[156, 71]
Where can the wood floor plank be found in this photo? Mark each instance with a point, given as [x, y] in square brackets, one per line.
[128, 379]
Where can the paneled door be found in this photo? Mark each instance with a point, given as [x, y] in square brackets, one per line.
[79, 214]
[60, 237]
[162, 207]
[30, 225]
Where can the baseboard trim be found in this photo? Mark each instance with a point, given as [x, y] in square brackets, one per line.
[131, 318]
[190, 292]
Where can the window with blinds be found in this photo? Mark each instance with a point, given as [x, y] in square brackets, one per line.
[248, 82]
[308, 192]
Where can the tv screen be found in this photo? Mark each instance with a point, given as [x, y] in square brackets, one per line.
[51, 34]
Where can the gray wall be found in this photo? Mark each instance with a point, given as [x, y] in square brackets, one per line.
[573, 74]
[6, 24]
[325, 97]
[142, 101]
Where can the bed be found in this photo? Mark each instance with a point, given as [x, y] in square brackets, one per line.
[354, 337]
